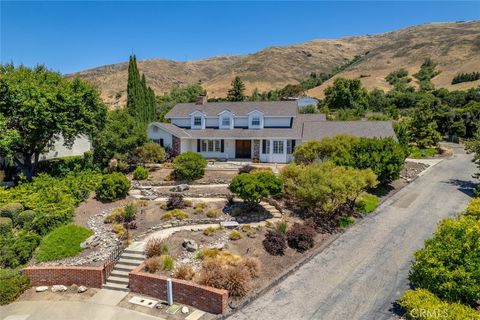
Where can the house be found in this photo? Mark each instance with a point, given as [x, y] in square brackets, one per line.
[267, 131]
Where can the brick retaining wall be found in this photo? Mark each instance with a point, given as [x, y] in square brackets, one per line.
[186, 292]
[48, 276]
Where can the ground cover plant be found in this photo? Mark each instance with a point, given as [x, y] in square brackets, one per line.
[62, 242]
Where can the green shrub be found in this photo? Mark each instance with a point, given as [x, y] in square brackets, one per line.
[13, 285]
[449, 264]
[421, 304]
[167, 216]
[179, 214]
[417, 153]
[209, 231]
[167, 263]
[189, 166]
[282, 226]
[16, 251]
[366, 203]
[129, 213]
[253, 187]
[473, 209]
[234, 235]
[198, 211]
[150, 152]
[25, 218]
[11, 210]
[140, 173]
[344, 222]
[62, 242]
[6, 226]
[212, 213]
[113, 186]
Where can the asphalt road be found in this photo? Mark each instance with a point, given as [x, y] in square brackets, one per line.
[362, 273]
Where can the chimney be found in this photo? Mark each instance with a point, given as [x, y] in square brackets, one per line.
[201, 100]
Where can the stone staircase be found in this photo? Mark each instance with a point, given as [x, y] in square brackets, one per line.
[129, 260]
[271, 209]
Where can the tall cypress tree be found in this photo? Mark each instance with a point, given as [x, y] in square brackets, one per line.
[140, 97]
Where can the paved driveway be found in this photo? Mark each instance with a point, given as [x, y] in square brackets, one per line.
[364, 271]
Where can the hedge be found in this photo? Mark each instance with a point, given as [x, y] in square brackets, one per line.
[13, 284]
[421, 304]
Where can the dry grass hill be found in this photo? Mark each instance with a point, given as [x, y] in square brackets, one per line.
[455, 46]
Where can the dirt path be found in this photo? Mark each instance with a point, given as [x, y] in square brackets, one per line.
[364, 272]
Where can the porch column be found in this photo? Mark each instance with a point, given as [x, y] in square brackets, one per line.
[256, 150]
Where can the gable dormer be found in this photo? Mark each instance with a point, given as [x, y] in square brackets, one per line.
[225, 119]
[197, 120]
[255, 119]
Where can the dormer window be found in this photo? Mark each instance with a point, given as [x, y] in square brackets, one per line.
[226, 122]
[255, 121]
[197, 121]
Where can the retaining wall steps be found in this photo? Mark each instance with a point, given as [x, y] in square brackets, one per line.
[129, 260]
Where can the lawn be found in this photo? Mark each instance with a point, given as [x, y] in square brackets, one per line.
[418, 153]
[62, 242]
[366, 203]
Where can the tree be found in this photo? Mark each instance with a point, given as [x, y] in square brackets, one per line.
[328, 148]
[423, 128]
[426, 74]
[150, 152]
[346, 94]
[7, 140]
[41, 106]
[473, 146]
[253, 187]
[325, 186]
[140, 97]
[177, 95]
[255, 95]
[449, 264]
[121, 136]
[236, 93]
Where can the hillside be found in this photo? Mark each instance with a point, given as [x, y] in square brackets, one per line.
[455, 46]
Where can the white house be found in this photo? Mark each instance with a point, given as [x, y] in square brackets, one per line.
[267, 131]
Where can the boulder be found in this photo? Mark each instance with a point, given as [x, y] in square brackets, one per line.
[91, 241]
[59, 288]
[180, 188]
[190, 245]
[82, 289]
[41, 289]
[185, 310]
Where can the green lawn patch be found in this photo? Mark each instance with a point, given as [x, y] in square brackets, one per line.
[366, 203]
[62, 242]
[418, 153]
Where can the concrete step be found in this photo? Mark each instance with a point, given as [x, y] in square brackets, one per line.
[132, 251]
[129, 262]
[123, 267]
[118, 280]
[131, 256]
[119, 274]
[115, 286]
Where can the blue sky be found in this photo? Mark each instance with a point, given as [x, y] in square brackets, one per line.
[73, 36]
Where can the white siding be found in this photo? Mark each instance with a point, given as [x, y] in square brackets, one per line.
[211, 122]
[240, 122]
[156, 133]
[191, 145]
[271, 157]
[277, 122]
[181, 122]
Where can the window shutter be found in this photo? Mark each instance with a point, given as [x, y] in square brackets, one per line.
[198, 145]
[264, 146]
[222, 145]
[293, 145]
[161, 143]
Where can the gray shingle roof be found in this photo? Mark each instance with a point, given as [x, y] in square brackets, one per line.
[173, 129]
[269, 108]
[313, 130]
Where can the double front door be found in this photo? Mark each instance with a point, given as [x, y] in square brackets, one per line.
[243, 149]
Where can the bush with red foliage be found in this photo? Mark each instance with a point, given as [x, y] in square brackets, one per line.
[301, 237]
[274, 243]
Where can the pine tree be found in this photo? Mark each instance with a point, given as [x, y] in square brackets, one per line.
[236, 93]
[140, 97]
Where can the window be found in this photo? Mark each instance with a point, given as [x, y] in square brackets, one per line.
[278, 147]
[226, 122]
[158, 141]
[211, 146]
[265, 146]
[256, 121]
[197, 121]
[290, 146]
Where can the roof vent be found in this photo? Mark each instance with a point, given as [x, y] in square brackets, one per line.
[201, 100]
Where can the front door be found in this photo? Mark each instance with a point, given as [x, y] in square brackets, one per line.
[243, 149]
